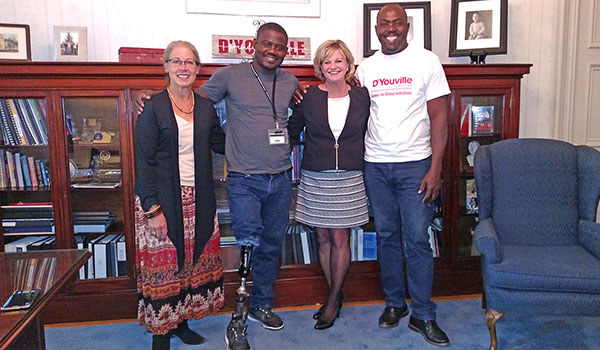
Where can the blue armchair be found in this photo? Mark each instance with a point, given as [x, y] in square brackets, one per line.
[537, 231]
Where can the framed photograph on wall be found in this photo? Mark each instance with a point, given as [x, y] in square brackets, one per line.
[478, 27]
[419, 17]
[15, 42]
[70, 43]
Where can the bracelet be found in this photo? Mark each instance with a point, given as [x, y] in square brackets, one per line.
[153, 214]
[152, 210]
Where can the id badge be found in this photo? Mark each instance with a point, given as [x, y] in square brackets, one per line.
[278, 136]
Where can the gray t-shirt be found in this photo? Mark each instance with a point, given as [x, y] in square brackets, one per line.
[250, 116]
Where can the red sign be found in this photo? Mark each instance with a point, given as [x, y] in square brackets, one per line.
[233, 46]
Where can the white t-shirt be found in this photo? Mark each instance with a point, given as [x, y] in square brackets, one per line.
[400, 86]
[337, 111]
[186, 151]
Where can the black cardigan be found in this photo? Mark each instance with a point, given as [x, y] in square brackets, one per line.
[157, 167]
[319, 153]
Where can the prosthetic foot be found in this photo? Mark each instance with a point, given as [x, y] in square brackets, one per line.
[235, 336]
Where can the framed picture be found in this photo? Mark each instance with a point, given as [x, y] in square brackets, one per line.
[483, 120]
[70, 43]
[15, 42]
[419, 17]
[478, 27]
[279, 8]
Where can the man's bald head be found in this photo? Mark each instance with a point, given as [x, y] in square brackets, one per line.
[392, 28]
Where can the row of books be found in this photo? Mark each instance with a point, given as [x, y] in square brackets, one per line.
[301, 246]
[34, 273]
[109, 253]
[476, 120]
[363, 244]
[17, 171]
[109, 256]
[39, 218]
[31, 243]
[435, 236]
[23, 122]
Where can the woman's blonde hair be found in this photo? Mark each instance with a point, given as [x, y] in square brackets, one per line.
[325, 51]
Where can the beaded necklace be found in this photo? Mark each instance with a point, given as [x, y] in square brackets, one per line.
[176, 105]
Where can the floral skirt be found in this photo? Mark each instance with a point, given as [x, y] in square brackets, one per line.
[167, 297]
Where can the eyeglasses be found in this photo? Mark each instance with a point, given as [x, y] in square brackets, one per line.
[178, 62]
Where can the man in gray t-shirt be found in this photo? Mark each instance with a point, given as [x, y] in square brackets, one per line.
[257, 96]
[250, 116]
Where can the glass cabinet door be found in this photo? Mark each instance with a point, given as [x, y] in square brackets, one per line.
[93, 134]
[25, 183]
[481, 123]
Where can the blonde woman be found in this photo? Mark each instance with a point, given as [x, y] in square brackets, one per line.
[331, 194]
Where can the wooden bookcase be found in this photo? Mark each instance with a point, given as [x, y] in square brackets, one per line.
[105, 91]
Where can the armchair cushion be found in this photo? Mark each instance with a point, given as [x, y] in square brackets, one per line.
[534, 189]
[549, 269]
[589, 236]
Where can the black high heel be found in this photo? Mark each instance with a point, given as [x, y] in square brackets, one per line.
[319, 312]
[322, 324]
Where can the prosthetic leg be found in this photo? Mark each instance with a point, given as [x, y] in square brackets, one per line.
[236, 330]
[241, 311]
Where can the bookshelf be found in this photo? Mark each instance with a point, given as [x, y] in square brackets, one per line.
[96, 99]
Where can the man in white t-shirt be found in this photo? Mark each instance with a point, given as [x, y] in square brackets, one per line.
[404, 147]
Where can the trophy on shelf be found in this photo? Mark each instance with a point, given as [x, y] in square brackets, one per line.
[92, 129]
[93, 133]
[473, 146]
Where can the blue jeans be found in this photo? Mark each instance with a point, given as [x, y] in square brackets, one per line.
[260, 206]
[401, 221]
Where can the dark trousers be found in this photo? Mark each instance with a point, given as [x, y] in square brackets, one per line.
[260, 205]
[401, 221]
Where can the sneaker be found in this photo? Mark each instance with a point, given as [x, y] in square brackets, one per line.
[266, 317]
[235, 337]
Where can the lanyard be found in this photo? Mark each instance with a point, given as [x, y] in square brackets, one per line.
[271, 99]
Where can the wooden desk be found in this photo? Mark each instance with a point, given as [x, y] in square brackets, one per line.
[48, 271]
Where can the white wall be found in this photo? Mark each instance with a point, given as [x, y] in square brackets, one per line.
[535, 35]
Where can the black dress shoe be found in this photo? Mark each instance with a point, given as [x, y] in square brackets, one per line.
[430, 331]
[187, 335]
[161, 342]
[391, 316]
